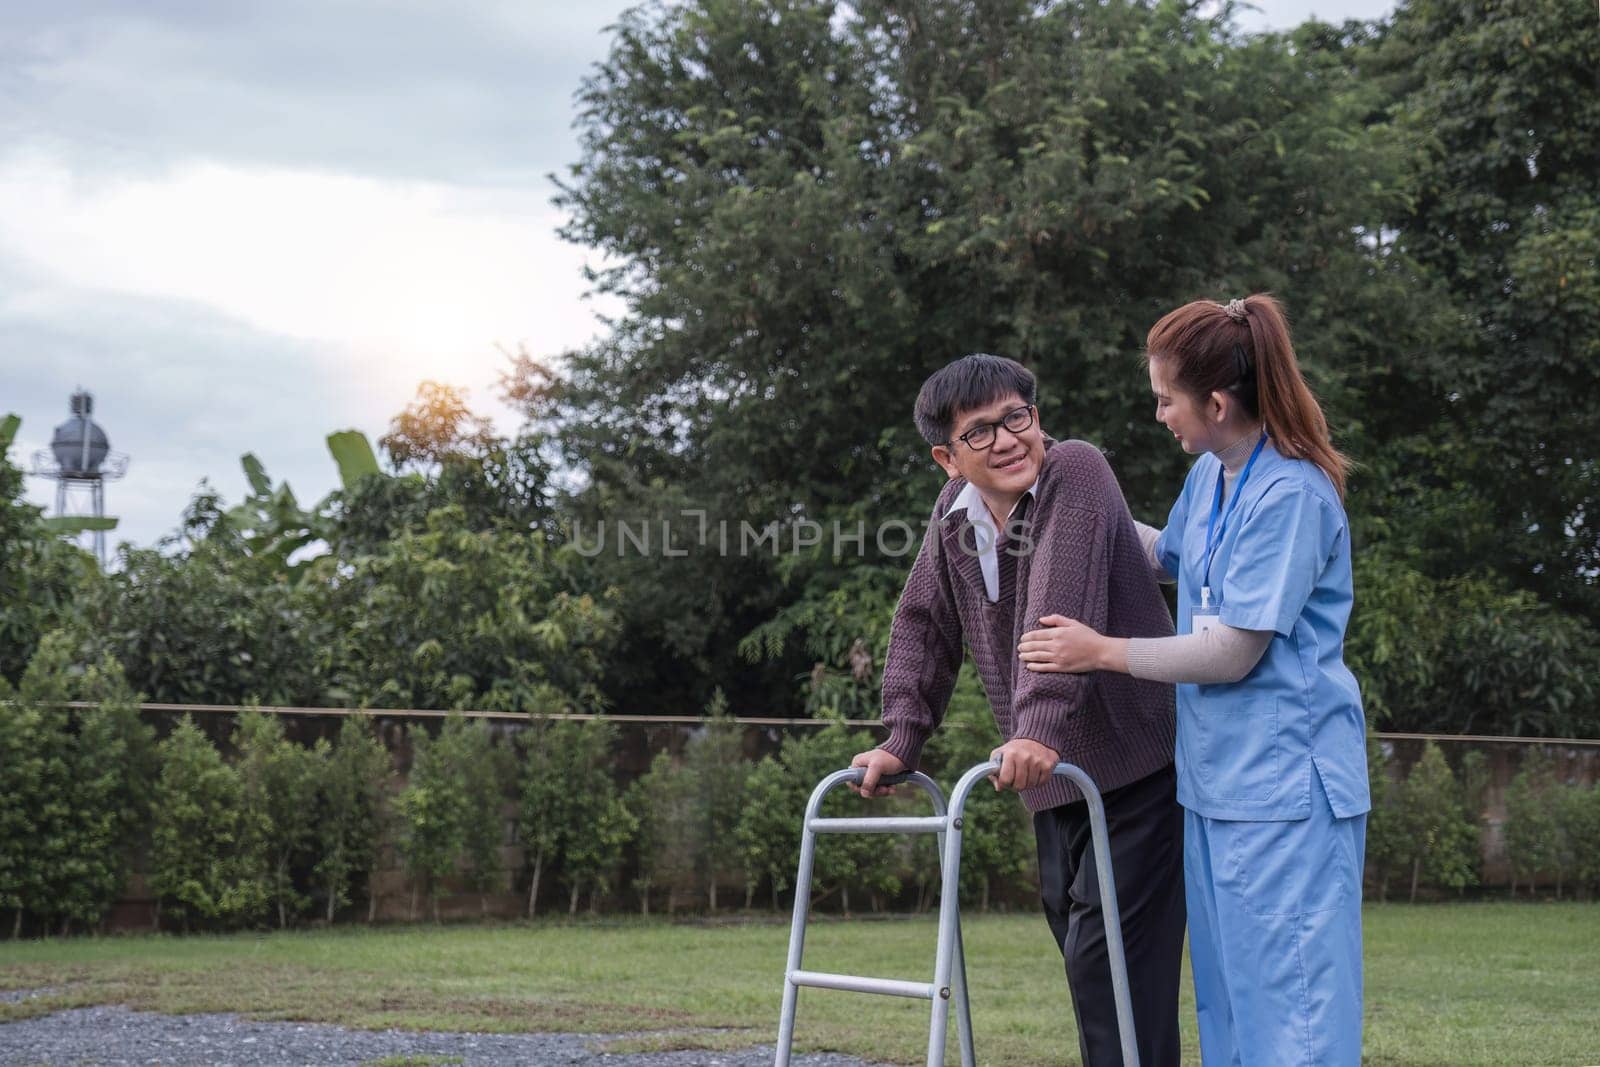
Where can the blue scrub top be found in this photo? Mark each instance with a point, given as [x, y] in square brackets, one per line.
[1247, 750]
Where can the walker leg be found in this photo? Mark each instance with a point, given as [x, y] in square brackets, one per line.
[949, 949]
[1113, 920]
[958, 970]
[969, 1058]
[797, 939]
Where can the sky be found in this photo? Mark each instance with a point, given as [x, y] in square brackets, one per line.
[245, 225]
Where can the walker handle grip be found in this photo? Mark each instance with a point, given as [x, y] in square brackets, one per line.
[858, 773]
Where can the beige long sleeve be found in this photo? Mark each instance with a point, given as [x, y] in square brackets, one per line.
[1220, 654]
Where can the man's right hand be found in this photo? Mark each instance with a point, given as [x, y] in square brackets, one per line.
[879, 765]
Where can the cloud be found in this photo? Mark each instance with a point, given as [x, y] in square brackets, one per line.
[411, 275]
[216, 310]
[471, 92]
[246, 224]
[182, 390]
[1287, 14]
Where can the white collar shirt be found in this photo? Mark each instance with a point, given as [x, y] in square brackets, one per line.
[984, 534]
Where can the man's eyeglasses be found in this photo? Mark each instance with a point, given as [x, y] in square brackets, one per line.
[982, 436]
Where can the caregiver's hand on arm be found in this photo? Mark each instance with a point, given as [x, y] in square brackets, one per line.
[1066, 646]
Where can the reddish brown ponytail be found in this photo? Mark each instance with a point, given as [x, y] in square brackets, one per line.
[1243, 349]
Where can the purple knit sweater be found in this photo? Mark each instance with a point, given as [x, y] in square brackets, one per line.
[1086, 563]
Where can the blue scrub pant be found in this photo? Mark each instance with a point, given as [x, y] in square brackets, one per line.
[1275, 937]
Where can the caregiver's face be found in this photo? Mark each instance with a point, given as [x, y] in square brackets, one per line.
[1178, 411]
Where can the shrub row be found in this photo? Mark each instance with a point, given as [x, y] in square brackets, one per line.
[276, 831]
[74, 791]
[1427, 826]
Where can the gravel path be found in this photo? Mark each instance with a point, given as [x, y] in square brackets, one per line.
[117, 1037]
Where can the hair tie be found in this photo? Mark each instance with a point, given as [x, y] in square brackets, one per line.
[1236, 311]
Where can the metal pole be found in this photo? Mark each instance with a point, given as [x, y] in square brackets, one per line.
[1110, 911]
[797, 925]
[949, 896]
[949, 917]
[949, 925]
[99, 496]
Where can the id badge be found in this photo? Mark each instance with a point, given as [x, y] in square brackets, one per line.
[1204, 615]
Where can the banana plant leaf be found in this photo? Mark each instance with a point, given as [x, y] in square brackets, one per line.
[354, 455]
[256, 474]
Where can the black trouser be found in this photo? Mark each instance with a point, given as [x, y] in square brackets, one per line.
[1146, 830]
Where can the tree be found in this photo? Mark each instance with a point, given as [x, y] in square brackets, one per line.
[1467, 654]
[74, 787]
[400, 619]
[594, 855]
[484, 772]
[278, 807]
[671, 842]
[544, 820]
[454, 458]
[571, 814]
[112, 768]
[41, 576]
[1441, 840]
[270, 526]
[501, 487]
[599, 823]
[198, 864]
[714, 760]
[424, 810]
[769, 826]
[1532, 831]
[1498, 102]
[1583, 821]
[688, 813]
[807, 208]
[450, 809]
[766, 832]
[199, 620]
[1387, 831]
[23, 777]
[353, 781]
[437, 427]
[1571, 804]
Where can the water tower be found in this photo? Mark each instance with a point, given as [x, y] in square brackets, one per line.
[80, 461]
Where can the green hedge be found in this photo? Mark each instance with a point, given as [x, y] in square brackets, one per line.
[74, 791]
[266, 831]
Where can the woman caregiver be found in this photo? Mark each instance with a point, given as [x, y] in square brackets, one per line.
[1271, 751]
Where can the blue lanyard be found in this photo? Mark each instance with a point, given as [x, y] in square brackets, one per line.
[1212, 526]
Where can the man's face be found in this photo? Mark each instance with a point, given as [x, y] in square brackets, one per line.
[1010, 463]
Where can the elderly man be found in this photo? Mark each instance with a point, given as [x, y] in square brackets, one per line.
[1028, 527]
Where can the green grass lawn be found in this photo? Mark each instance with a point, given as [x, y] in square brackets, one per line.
[1446, 984]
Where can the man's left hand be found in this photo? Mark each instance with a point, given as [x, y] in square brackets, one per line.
[1024, 764]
